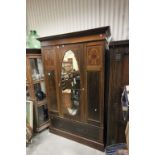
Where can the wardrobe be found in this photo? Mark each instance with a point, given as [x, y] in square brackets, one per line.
[74, 66]
[118, 77]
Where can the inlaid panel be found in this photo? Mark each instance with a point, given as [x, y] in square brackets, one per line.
[94, 55]
[49, 57]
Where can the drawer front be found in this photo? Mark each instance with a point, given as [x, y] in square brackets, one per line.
[77, 128]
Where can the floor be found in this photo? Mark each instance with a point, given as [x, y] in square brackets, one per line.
[47, 143]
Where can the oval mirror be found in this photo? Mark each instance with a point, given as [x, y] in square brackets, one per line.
[70, 84]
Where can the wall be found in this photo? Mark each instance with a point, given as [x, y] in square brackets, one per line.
[50, 17]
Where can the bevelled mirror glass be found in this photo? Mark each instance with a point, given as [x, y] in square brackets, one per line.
[70, 84]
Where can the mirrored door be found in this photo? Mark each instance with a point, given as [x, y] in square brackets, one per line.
[71, 84]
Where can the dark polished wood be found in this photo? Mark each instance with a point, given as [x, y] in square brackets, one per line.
[89, 32]
[33, 51]
[97, 34]
[77, 128]
[118, 69]
[89, 50]
[77, 138]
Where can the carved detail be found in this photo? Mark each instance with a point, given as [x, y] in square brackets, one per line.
[94, 56]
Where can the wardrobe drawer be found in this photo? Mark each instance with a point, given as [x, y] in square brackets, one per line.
[77, 128]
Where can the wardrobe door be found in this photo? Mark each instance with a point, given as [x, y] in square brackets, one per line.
[50, 67]
[71, 81]
[94, 56]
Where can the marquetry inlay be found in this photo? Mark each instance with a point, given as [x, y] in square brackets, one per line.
[49, 57]
[94, 56]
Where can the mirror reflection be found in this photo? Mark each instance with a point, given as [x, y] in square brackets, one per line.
[70, 83]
